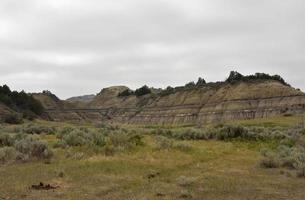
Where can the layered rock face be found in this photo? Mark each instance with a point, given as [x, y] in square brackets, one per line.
[197, 105]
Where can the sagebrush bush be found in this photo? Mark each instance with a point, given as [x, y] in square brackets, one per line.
[122, 141]
[227, 132]
[98, 139]
[38, 129]
[21, 147]
[191, 134]
[79, 137]
[284, 156]
[13, 119]
[76, 138]
[33, 148]
[6, 140]
[107, 127]
[60, 144]
[163, 143]
[64, 131]
[7, 154]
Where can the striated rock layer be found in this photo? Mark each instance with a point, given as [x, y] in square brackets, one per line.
[197, 105]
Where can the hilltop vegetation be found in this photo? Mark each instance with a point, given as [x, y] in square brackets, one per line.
[20, 102]
[234, 77]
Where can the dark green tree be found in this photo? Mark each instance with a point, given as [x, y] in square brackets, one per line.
[190, 84]
[200, 81]
[234, 76]
[142, 91]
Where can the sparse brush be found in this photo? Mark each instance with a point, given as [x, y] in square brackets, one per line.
[38, 129]
[7, 154]
[183, 147]
[228, 132]
[6, 140]
[163, 143]
[76, 138]
[64, 131]
[33, 148]
[284, 156]
[107, 127]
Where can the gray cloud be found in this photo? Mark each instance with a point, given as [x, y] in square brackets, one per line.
[75, 47]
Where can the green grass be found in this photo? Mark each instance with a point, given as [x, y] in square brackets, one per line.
[211, 170]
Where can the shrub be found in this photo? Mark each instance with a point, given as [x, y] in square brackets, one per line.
[13, 119]
[191, 134]
[6, 140]
[230, 131]
[163, 143]
[76, 138]
[270, 159]
[33, 148]
[7, 154]
[64, 131]
[120, 141]
[163, 132]
[136, 140]
[99, 139]
[126, 93]
[38, 129]
[226, 132]
[79, 137]
[105, 128]
[285, 156]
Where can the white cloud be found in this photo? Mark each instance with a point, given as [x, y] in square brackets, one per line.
[59, 58]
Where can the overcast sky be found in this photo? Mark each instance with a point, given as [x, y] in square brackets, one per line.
[75, 47]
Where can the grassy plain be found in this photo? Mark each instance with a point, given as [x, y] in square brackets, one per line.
[210, 169]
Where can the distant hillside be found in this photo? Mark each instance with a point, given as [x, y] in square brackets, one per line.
[239, 97]
[51, 101]
[19, 102]
[84, 98]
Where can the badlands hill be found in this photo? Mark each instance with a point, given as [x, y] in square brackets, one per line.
[235, 99]
[84, 98]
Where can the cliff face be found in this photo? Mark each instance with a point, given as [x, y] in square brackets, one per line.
[197, 105]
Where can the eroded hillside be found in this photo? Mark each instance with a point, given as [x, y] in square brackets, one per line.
[187, 105]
